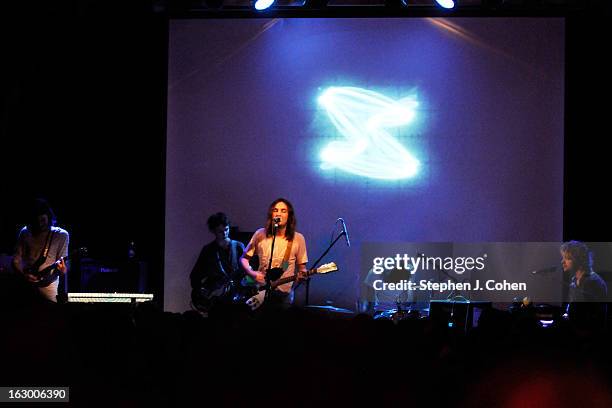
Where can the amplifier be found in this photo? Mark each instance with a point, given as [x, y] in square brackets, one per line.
[108, 277]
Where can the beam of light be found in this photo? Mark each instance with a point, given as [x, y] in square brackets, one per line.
[263, 4]
[362, 117]
[460, 32]
[447, 4]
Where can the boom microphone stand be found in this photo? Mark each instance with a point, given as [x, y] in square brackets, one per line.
[454, 293]
[314, 265]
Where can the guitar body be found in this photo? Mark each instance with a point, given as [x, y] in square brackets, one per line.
[222, 292]
[255, 301]
[49, 274]
[46, 276]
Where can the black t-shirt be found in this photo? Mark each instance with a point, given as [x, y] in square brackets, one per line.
[216, 265]
[592, 289]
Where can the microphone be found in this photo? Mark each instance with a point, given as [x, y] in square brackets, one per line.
[345, 232]
[276, 219]
[550, 269]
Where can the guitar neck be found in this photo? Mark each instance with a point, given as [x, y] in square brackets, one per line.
[288, 279]
[51, 267]
[65, 258]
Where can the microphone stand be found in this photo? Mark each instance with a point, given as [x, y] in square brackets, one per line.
[314, 265]
[268, 281]
[454, 293]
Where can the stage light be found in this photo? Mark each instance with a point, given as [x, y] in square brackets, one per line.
[546, 323]
[397, 4]
[262, 4]
[447, 4]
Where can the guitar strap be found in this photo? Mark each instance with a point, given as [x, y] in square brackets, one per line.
[48, 241]
[233, 257]
[221, 268]
[233, 261]
[285, 266]
[285, 263]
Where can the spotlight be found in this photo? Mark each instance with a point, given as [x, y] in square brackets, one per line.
[262, 4]
[397, 4]
[447, 4]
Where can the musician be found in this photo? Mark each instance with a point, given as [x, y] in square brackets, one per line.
[40, 245]
[217, 271]
[587, 290]
[289, 250]
[385, 299]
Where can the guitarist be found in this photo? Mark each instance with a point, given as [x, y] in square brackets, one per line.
[289, 250]
[217, 273]
[41, 244]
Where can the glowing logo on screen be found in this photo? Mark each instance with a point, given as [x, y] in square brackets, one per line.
[362, 118]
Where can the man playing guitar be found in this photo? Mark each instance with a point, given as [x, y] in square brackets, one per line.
[40, 246]
[289, 257]
[216, 276]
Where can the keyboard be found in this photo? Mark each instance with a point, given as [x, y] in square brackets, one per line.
[109, 297]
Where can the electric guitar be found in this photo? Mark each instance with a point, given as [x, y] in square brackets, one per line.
[50, 273]
[211, 293]
[257, 300]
